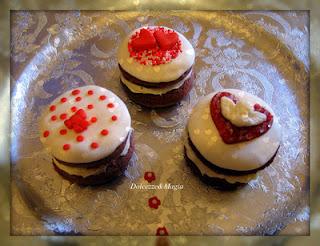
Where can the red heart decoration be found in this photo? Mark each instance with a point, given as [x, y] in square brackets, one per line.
[230, 133]
[77, 121]
[145, 41]
[166, 40]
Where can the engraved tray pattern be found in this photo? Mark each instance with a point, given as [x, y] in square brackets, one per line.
[264, 53]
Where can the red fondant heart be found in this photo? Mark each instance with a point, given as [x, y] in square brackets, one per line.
[145, 41]
[77, 121]
[166, 40]
[230, 133]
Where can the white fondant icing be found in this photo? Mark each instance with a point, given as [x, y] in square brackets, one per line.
[210, 173]
[154, 91]
[160, 73]
[85, 172]
[240, 156]
[127, 146]
[81, 152]
[241, 113]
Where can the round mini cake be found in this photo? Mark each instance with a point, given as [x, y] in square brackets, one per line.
[88, 132]
[156, 65]
[231, 135]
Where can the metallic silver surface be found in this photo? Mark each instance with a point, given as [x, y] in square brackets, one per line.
[265, 53]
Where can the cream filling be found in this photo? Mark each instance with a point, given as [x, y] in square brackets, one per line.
[86, 172]
[155, 91]
[209, 172]
[241, 113]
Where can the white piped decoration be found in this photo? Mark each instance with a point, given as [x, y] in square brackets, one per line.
[241, 113]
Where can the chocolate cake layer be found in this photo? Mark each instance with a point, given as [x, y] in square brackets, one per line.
[114, 155]
[164, 100]
[114, 168]
[147, 84]
[225, 171]
[217, 183]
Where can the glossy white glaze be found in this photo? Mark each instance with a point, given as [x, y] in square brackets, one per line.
[81, 152]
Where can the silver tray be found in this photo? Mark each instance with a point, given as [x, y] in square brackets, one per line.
[56, 51]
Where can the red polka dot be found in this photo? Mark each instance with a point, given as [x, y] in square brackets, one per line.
[63, 100]
[90, 106]
[114, 118]
[90, 92]
[75, 92]
[66, 146]
[52, 108]
[94, 145]
[102, 97]
[80, 138]
[110, 105]
[46, 134]
[104, 132]
[63, 116]
[94, 119]
[53, 117]
[73, 109]
[63, 131]
[78, 99]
